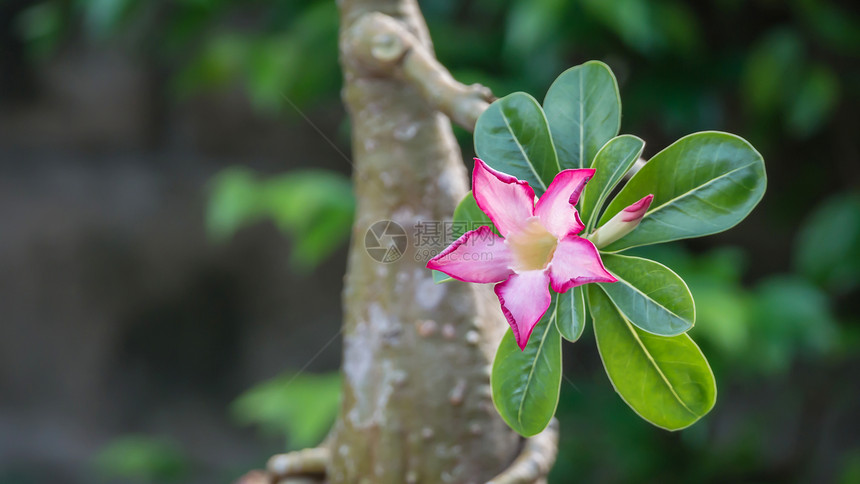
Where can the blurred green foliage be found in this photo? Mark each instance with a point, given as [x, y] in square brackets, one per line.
[41, 27]
[141, 459]
[759, 330]
[313, 207]
[829, 244]
[780, 85]
[275, 66]
[301, 407]
[787, 75]
[270, 48]
[850, 472]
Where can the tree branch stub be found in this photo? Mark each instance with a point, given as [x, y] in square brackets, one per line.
[535, 461]
[379, 46]
[302, 462]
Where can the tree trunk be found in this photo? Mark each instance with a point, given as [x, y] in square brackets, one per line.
[416, 397]
[417, 405]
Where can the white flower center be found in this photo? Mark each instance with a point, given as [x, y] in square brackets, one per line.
[532, 246]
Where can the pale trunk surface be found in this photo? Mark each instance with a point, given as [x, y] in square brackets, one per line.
[416, 397]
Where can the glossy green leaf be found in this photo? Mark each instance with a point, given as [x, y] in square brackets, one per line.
[703, 183]
[526, 383]
[570, 313]
[467, 216]
[650, 295]
[512, 136]
[610, 164]
[583, 109]
[666, 380]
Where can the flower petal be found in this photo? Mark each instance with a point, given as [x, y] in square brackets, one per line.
[576, 262]
[478, 256]
[525, 298]
[556, 208]
[507, 201]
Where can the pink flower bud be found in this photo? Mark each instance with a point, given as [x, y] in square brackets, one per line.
[621, 224]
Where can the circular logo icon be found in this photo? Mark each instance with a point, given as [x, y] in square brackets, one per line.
[385, 241]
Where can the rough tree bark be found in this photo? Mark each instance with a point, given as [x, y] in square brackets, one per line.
[417, 403]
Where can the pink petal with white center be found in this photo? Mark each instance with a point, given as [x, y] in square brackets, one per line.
[556, 208]
[478, 256]
[507, 201]
[576, 262]
[525, 298]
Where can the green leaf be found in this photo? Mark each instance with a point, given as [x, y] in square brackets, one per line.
[570, 313]
[583, 109]
[512, 136]
[467, 216]
[440, 277]
[650, 295]
[666, 380]
[828, 244]
[703, 183]
[526, 383]
[613, 160]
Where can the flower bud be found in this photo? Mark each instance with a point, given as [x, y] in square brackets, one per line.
[621, 224]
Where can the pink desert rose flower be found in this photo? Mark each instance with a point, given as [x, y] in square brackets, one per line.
[540, 248]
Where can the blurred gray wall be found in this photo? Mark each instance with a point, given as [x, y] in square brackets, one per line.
[118, 315]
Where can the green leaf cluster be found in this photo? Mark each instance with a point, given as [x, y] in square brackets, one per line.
[704, 183]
